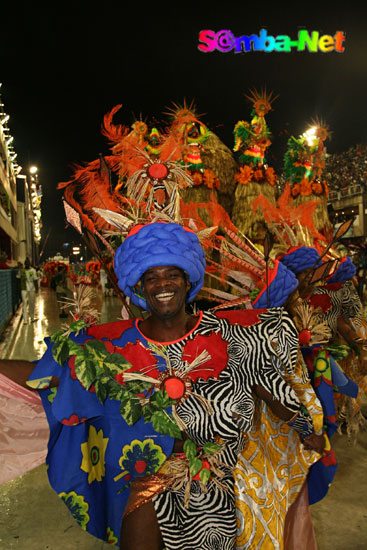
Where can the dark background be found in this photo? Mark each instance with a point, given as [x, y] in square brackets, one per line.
[63, 68]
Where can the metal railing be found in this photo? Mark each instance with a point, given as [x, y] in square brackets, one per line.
[350, 191]
[10, 295]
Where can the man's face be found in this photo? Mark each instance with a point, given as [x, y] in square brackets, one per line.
[165, 289]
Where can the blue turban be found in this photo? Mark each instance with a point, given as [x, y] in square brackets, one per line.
[344, 272]
[154, 245]
[299, 258]
[282, 282]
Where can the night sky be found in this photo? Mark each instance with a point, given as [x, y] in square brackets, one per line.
[63, 68]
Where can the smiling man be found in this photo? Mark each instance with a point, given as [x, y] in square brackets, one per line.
[150, 414]
[165, 285]
[165, 289]
[161, 267]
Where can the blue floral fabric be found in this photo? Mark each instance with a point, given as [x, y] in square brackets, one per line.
[93, 454]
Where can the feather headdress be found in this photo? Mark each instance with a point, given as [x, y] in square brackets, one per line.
[247, 276]
[90, 187]
[183, 120]
[291, 224]
[156, 182]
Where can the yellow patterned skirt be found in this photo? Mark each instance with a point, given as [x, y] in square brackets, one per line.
[271, 471]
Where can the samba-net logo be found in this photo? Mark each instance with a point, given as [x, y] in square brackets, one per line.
[225, 41]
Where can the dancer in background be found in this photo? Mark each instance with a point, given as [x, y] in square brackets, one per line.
[28, 285]
[149, 415]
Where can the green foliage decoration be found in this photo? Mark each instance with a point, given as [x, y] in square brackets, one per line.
[95, 365]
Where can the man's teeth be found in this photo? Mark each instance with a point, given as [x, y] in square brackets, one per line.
[165, 296]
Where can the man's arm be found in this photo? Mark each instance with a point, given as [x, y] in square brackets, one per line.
[312, 442]
[17, 370]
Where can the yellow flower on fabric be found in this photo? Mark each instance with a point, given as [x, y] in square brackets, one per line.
[78, 507]
[93, 451]
[140, 458]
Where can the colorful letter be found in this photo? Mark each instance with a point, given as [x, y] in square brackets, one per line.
[243, 43]
[266, 42]
[209, 41]
[225, 41]
[282, 43]
[339, 39]
[305, 40]
[326, 43]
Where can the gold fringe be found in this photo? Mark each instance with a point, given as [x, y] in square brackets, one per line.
[305, 317]
[176, 471]
[220, 159]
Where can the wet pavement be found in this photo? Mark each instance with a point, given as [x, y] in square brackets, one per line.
[32, 517]
[20, 341]
[31, 514]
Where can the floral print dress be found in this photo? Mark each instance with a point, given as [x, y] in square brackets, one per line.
[98, 447]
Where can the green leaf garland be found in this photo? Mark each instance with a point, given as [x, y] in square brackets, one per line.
[96, 366]
[165, 423]
[197, 458]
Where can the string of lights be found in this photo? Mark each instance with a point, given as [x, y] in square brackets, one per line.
[10, 173]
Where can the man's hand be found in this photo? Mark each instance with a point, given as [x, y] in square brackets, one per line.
[314, 442]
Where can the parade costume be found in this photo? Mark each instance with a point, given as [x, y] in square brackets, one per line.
[326, 375]
[263, 494]
[122, 400]
[209, 162]
[340, 300]
[104, 454]
[300, 247]
[271, 445]
[304, 163]
[254, 176]
[104, 446]
[346, 270]
[350, 416]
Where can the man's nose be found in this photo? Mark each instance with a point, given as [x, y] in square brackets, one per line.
[163, 281]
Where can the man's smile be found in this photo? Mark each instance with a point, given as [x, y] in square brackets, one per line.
[164, 296]
[165, 289]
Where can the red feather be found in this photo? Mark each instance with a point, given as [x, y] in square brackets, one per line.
[284, 211]
[175, 142]
[69, 197]
[93, 191]
[115, 133]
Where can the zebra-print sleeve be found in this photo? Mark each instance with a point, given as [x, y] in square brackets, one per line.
[270, 379]
[280, 356]
[351, 305]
